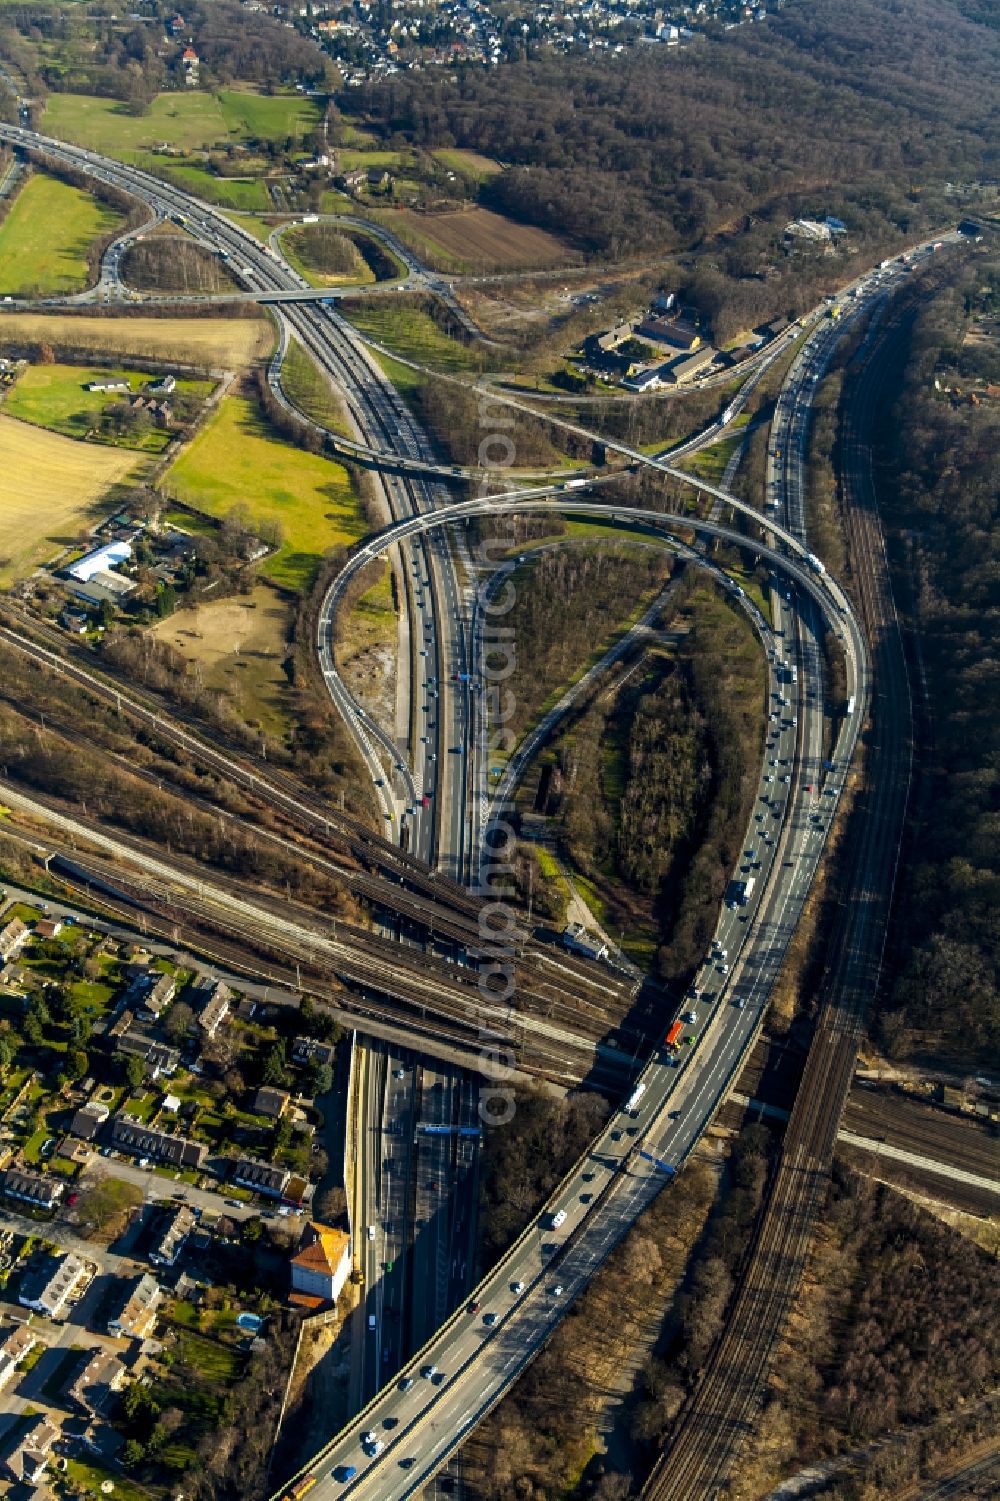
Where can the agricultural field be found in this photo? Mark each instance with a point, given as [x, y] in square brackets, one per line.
[45, 238]
[238, 460]
[54, 397]
[189, 121]
[477, 240]
[58, 492]
[232, 343]
[240, 645]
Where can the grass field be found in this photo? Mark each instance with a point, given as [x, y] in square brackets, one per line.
[311, 392]
[478, 240]
[45, 238]
[232, 193]
[412, 333]
[237, 459]
[468, 163]
[57, 492]
[53, 396]
[189, 121]
[240, 645]
[230, 342]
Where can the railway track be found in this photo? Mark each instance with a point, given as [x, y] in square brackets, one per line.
[553, 1022]
[352, 838]
[722, 1411]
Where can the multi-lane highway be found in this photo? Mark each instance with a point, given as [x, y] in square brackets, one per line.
[382, 423]
[411, 1427]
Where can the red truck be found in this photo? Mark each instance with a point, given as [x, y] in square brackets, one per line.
[673, 1037]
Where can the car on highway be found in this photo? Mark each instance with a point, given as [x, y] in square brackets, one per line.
[489, 1319]
[405, 1383]
[428, 1372]
[475, 1306]
[558, 1290]
[517, 1288]
[343, 1473]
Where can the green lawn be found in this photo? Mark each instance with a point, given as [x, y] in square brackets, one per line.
[237, 459]
[45, 238]
[188, 121]
[411, 332]
[91, 1477]
[53, 396]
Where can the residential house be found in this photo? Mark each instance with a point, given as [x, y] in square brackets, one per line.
[215, 1008]
[48, 927]
[141, 1140]
[88, 1120]
[322, 1263]
[158, 1057]
[263, 1177]
[107, 385]
[298, 1190]
[352, 180]
[311, 1050]
[37, 1189]
[134, 1313]
[48, 1287]
[149, 995]
[25, 1459]
[165, 386]
[17, 1346]
[189, 62]
[173, 1237]
[13, 936]
[121, 1025]
[101, 1375]
[271, 1102]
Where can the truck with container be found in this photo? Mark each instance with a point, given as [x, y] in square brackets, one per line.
[673, 1037]
[632, 1103]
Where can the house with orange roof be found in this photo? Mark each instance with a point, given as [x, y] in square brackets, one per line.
[322, 1263]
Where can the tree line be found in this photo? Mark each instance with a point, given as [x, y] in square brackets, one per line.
[941, 502]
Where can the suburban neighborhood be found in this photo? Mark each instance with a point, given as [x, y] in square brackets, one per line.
[162, 1159]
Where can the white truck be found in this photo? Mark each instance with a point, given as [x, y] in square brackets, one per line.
[632, 1103]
